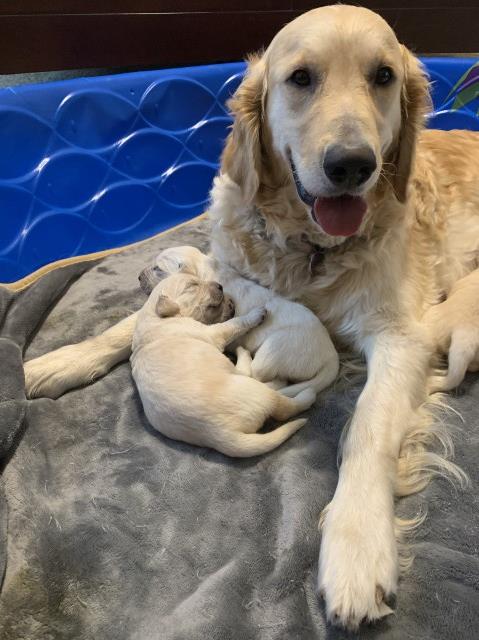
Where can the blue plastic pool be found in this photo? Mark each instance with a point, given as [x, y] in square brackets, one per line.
[95, 163]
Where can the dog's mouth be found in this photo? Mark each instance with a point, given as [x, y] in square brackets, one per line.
[340, 215]
[228, 309]
[216, 311]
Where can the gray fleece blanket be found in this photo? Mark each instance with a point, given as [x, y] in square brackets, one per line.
[110, 531]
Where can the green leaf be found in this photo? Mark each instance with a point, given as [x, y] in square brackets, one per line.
[461, 79]
[466, 96]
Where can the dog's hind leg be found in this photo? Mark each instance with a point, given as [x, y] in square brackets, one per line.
[277, 384]
[74, 365]
[243, 441]
[462, 352]
[243, 367]
[243, 362]
[265, 363]
[326, 376]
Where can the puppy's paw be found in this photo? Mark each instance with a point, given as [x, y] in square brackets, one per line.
[256, 316]
[358, 563]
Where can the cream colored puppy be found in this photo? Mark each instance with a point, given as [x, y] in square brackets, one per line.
[454, 328]
[292, 345]
[189, 389]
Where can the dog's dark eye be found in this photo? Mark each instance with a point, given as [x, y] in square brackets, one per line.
[301, 78]
[384, 75]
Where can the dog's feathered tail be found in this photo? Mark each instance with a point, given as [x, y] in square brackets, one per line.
[426, 452]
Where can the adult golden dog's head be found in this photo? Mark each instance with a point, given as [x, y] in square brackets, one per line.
[334, 104]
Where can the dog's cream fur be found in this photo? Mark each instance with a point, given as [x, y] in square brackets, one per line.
[189, 389]
[291, 346]
[420, 236]
[454, 328]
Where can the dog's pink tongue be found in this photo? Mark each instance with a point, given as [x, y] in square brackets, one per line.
[341, 216]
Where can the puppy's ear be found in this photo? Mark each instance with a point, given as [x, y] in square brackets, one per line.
[166, 307]
[415, 105]
[149, 278]
[241, 158]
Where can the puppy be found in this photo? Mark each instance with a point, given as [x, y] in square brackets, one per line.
[292, 345]
[189, 389]
[454, 328]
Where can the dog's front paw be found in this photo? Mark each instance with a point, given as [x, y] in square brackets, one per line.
[256, 316]
[358, 564]
[41, 380]
[52, 374]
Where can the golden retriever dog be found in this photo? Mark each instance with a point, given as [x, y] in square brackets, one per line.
[189, 389]
[331, 193]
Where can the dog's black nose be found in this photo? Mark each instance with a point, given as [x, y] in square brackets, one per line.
[349, 167]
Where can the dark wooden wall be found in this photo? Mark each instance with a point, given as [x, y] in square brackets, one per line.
[44, 35]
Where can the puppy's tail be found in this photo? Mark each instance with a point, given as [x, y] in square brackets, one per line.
[244, 445]
[326, 376]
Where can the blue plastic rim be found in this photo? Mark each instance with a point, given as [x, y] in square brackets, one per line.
[95, 163]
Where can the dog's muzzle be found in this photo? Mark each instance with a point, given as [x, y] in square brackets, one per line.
[305, 196]
[337, 216]
[149, 278]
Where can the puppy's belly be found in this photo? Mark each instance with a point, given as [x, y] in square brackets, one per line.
[184, 394]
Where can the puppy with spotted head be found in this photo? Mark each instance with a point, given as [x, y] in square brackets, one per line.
[188, 296]
[189, 389]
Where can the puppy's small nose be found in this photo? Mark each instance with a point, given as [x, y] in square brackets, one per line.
[349, 166]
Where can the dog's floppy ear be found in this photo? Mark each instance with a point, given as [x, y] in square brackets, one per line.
[241, 158]
[166, 307]
[150, 277]
[415, 105]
